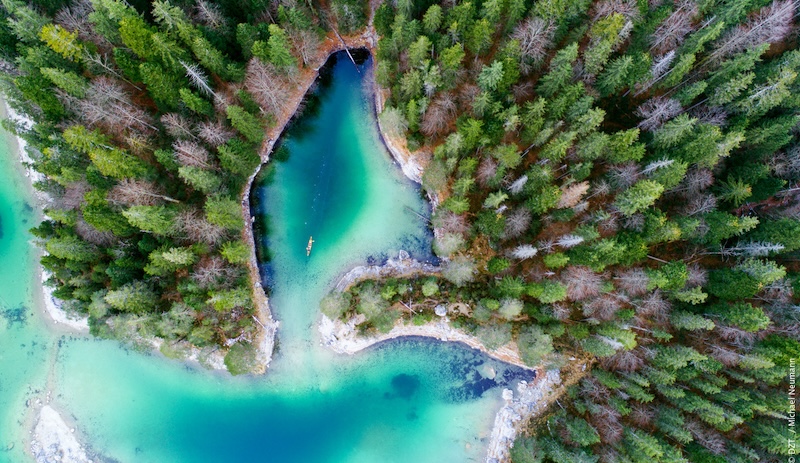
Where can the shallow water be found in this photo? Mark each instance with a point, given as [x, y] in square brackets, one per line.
[411, 400]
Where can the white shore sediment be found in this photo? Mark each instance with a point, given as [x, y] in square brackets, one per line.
[530, 400]
[53, 308]
[343, 337]
[52, 305]
[54, 441]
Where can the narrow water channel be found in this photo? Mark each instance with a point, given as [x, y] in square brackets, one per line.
[411, 400]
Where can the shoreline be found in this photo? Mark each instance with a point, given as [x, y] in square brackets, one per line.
[342, 337]
[509, 418]
[529, 401]
[265, 337]
[53, 308]
[48, 304]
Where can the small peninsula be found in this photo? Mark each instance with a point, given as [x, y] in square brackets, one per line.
[611, 194]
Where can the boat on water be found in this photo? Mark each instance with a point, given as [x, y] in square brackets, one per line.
[310, 244]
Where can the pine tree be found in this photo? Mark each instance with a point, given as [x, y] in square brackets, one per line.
[135, 297]
[248, 125]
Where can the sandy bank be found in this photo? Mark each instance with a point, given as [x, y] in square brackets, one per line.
[54, 441]
[343, 337]
[53, 308]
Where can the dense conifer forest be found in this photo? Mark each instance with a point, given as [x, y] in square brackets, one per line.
[617, 185]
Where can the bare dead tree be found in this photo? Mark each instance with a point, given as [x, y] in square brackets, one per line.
[131, 192]
[108, 105]
[654, 305]
[622, 176]
[535, 37]
[198, 78]
[439, 115]
[606, 421]
[671, 33]
[572, 194]
[696, 181]
[178, 126]
[714, 115]
[198, 229]
[634, 222]
[487, 170]
[786, 164]
[706, 436]
[214, 271]
[523, 91]
[75, 17]
[74, 195]
[560, 311]
[582, 283]
[641, 415]
[772, 24]
[517, 223]
[626, 8]
[192, 154]
[215, 133]
[209, 14]
[661, 65]
[700, 204]
[450, 222]
[517, 185]
[602, 308]
[625, 360]
[306, 43]
[268, 87]
[523, 251]
[734, 335]
[592, 389]
[93, 235]
[633, 281]
[723, 355]
[467, 94]
[569, 241]
[698, 276]
[777, 294]
[657, 110]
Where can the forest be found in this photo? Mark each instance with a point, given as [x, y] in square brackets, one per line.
[149, 120]
[617, 185]
[615, 181]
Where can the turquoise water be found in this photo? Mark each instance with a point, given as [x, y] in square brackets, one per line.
[25, 344]
[410, 400]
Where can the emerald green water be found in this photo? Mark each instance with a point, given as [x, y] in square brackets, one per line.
[409, 400]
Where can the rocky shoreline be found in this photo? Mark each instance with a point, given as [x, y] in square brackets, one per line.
[530, 400]
[55, 441]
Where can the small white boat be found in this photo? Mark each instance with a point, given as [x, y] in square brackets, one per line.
[310, 244]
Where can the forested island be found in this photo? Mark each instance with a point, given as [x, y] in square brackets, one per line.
[615, 186]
